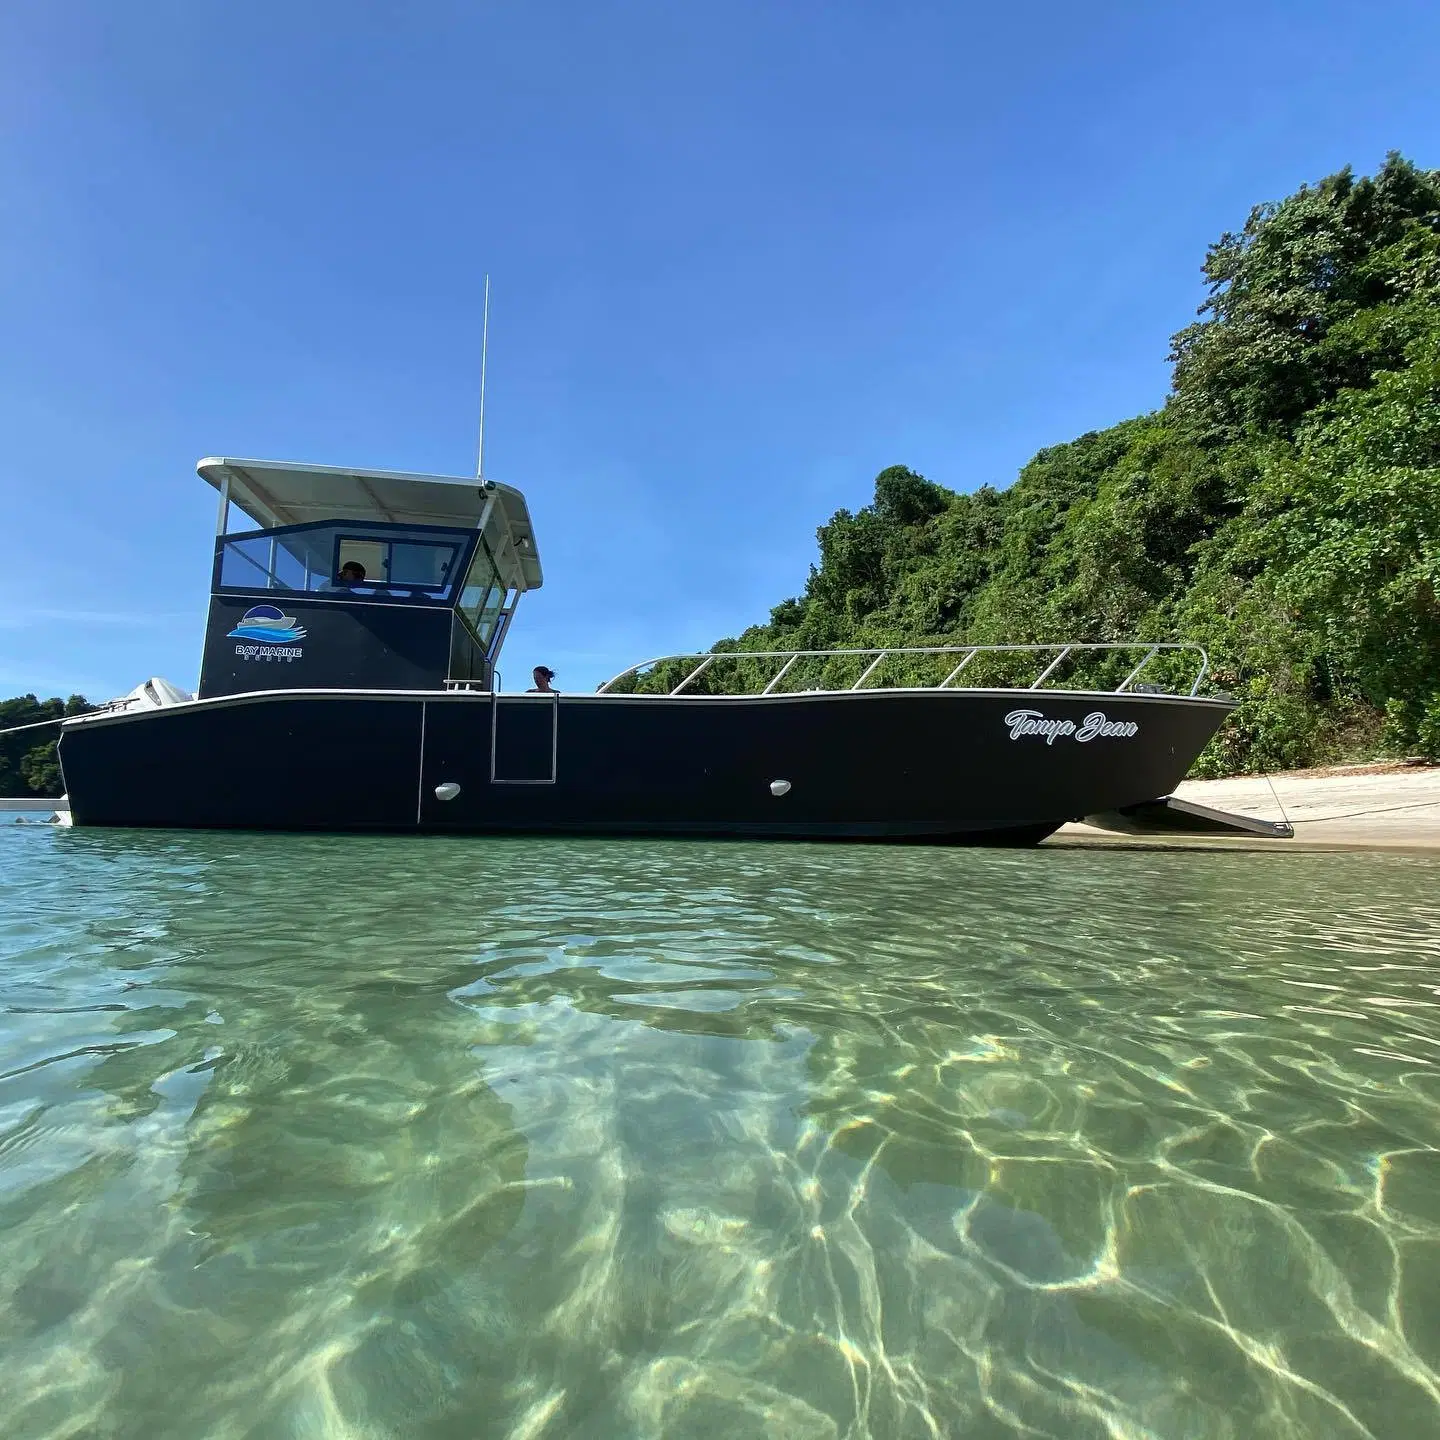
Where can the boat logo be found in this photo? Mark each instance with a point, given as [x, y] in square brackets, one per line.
[274, 631]
[1095, 726]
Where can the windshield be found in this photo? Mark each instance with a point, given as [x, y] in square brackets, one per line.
[421, 563]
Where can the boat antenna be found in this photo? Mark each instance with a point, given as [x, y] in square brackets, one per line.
[484, 347]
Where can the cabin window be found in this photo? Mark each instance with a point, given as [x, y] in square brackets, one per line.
[408, 564]
[399, 563]
[368, 554]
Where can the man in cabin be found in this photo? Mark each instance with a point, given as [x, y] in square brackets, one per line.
[352, 573]
[542, 676]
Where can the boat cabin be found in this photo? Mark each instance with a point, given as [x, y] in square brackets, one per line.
[361, 579]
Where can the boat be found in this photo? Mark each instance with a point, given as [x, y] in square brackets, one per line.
[351, 682]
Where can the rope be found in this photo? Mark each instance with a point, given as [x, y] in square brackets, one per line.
[1276, 794]
[1378, 810]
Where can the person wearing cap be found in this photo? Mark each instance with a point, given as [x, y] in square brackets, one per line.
[352, 573]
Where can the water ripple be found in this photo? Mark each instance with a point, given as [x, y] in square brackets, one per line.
[519, 1138]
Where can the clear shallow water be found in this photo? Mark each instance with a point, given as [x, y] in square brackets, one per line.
[321, 1137]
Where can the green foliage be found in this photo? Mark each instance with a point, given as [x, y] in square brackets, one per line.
[1286, 293]
[28, 762]
[1282, 508]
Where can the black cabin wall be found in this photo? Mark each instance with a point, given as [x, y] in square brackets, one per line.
[346, 645]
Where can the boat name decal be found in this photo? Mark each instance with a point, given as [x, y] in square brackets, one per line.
[273, 631]
[1095, 726]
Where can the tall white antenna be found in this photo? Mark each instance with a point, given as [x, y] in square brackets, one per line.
[484, 347]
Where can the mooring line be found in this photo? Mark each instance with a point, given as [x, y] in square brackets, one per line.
[1276, 794]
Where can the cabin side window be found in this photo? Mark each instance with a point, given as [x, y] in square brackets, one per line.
[482, 599]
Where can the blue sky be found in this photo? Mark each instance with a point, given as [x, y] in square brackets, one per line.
[744, 256]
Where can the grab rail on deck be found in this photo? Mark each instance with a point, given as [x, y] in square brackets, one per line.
[1061, 652]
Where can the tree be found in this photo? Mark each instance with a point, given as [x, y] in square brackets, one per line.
[1354, 533]
[29, 765]
[1282, 289]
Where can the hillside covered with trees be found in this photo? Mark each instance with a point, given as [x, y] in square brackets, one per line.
[1282, 506]
[28, 762]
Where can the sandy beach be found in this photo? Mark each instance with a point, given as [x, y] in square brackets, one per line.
[1354, 807]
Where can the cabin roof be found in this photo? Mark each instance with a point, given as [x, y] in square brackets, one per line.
[281, 492]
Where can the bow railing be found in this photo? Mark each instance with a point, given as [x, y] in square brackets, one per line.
[769, 670]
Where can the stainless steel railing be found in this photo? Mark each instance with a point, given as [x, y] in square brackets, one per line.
[1147, 650]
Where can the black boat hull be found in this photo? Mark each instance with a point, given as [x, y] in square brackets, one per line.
[962, 766]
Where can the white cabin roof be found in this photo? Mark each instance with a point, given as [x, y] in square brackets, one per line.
[281, 492]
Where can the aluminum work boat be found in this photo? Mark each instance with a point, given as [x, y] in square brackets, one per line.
[350, 682]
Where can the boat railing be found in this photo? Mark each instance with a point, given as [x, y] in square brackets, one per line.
[1048, 662]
